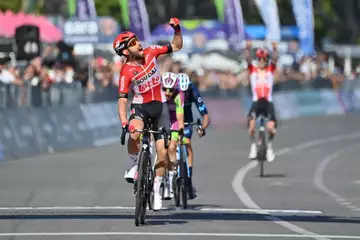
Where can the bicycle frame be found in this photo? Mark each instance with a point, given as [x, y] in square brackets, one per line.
[262, 144]
[143, 190]
[183, 146]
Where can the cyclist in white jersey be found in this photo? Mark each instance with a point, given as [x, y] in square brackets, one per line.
[262, 80]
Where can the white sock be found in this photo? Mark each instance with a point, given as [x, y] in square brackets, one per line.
[157, 182]
[171, 175]
[133, 158]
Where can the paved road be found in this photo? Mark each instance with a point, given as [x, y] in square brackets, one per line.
[317, 169]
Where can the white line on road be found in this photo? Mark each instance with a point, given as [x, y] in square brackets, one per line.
[319, 180]
[238, 182]
[90, 208]
[257, 235]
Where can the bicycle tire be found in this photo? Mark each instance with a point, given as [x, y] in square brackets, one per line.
[148, 189]
[150, 185]
[184, 190]
[262, 153]
[184, 177]
[140, 188]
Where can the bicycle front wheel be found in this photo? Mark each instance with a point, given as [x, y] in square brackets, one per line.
[140, 207]
[184, 178]
[262, 153]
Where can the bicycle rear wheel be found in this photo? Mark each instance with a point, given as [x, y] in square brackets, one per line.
[141, 189]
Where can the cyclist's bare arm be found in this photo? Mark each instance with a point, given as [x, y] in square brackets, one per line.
[275, 54]
[205, 121]
[177, 41]
[124, 84]
[180, 101]
[180, 118]
[122, 105]
[247, 52]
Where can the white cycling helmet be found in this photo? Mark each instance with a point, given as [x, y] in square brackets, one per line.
[184, 81]
[169, 80]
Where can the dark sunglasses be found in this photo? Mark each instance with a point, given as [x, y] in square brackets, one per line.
[168, 89]
[132, 42]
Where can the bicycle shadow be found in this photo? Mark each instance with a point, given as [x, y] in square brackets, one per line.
[152, 222]
[195, 206]
[183, 217]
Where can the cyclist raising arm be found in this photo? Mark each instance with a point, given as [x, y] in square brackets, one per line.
[149, 100]
[262, 80]
[175, 101]
[192, 95]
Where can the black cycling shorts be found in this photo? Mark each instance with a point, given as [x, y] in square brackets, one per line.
[156, 112]
[262, 107]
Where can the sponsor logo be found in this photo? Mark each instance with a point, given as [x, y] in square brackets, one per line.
[147, 76]
[155, 47]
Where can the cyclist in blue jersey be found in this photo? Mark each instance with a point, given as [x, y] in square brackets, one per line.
[192, 95]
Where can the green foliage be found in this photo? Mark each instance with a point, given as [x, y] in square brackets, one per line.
[13, 5]
[109, 8]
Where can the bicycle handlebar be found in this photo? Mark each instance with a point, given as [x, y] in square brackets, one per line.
[123, 133]
[198, 123]
[161, 130]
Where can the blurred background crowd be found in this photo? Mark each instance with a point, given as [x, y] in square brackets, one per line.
[64, 55]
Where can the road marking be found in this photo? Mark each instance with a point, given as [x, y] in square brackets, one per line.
[106, 141]
[69, 208]
[203, 209]
[238, 182]
[319, 179]
[352, 207]
[257, 235]
[266, 210]
[278, 184]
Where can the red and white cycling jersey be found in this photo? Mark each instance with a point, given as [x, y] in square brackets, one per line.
[262, 82]
[145, 78]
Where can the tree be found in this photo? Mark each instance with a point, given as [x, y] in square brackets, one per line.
[13, 5]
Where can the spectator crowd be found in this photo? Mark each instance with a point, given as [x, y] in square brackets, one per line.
[59, 64]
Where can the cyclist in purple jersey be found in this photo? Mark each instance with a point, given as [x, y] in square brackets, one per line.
[175, 102]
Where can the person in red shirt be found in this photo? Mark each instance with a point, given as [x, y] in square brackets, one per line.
[142, 75]
[262, 82]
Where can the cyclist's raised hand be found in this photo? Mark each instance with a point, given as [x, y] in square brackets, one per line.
[274, 45]
[175, 23]
[248, 44]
